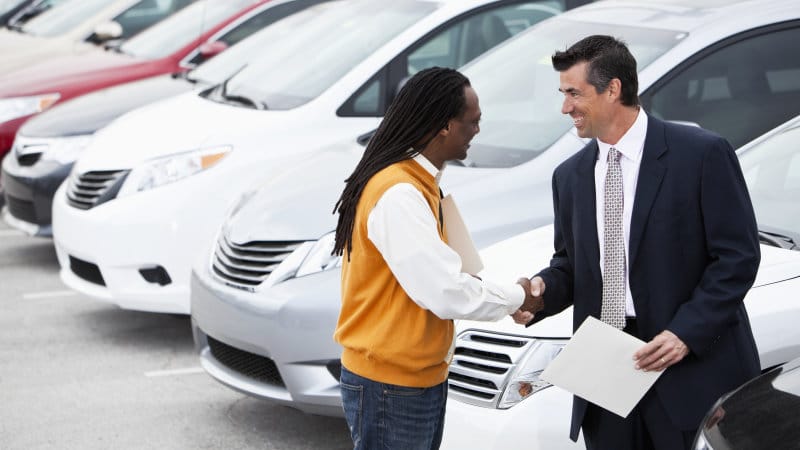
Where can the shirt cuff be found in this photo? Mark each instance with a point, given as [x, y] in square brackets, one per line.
[513, 294]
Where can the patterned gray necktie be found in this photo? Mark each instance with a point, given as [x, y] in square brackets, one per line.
[613, 309]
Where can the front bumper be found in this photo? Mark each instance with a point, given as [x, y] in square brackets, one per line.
[542, 421]
[29, 191]
[104, 252]
[286, 329]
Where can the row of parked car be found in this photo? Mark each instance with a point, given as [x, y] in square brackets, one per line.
[208, 190]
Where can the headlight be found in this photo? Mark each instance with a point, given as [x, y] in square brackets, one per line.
[311, 257]
[168, 169]
[67, 149]
[15, 107]
[525, 380]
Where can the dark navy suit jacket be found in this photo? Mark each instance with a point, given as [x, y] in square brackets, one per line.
[693, 254]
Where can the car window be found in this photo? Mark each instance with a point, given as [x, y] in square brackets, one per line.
[257, 22]
[318, 46]
[178, 30]
[772, 171]
[64, 17]
[740, 90]
[458, 43]
[145, 13]
[464, 40]
[518, 88]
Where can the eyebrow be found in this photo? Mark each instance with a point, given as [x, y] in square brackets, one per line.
[569, 91]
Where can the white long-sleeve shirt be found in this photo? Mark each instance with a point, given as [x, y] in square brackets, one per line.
[404, 230]
[631, 145]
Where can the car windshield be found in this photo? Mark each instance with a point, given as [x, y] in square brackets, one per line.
[772, 171]
[178, 30]
[64, 17]
[317, 46]
[518, 87]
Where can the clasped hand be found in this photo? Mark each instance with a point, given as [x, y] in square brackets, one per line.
[534, 301]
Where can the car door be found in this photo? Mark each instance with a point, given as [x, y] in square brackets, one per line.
[452, 44]
[740, 87]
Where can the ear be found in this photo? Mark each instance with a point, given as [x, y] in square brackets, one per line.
[614, 90]
[446, 130]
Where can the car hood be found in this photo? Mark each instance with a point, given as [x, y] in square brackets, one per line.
[297, 203]
[53, 74]
[182, 123]
[88, 113]
[525, 254]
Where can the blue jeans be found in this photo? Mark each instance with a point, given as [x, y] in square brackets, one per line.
[386, 416]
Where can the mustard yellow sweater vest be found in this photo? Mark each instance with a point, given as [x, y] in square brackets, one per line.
[386, 336]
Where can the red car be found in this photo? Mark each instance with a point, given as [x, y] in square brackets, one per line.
[172, 45]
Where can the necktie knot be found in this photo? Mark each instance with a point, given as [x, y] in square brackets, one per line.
[613, 155]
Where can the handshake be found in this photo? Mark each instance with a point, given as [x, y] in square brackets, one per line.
[534, 301]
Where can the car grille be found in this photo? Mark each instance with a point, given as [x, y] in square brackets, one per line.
[21, 209]
[247, 265]
[482, 365]
[90, 189]
[253, 366]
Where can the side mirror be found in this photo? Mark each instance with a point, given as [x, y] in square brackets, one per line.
[211, 49]
[107, 31]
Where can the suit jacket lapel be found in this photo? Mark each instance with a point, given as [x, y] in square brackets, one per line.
[586, 211]
[651, 173]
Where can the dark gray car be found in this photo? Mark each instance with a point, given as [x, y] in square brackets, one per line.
[761, 414]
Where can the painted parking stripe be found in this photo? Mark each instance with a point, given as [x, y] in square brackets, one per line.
[49, 294]
[168, 373]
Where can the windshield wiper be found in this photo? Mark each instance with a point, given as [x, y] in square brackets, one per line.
[244, 100]
[777, 239]
[238, 98]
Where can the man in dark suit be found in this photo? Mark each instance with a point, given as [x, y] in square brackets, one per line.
[654, 234]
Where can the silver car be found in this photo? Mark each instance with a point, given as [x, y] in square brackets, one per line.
[265, 298]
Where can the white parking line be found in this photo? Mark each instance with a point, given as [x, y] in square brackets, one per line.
[49, 294]
[168, 373]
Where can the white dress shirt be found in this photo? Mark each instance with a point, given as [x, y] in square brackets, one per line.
[631, 146]
[404, 230]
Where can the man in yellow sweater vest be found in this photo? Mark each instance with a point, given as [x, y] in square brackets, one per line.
[402, 285]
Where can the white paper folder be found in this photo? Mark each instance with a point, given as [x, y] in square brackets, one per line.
[458, 237]
[597, 365]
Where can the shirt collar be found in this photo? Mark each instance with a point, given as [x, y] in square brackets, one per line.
[632, 142]
[428, 166]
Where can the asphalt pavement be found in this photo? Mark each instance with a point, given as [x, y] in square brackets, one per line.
[78, 373]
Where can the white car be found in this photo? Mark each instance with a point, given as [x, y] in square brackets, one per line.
[266, 295]
[75, 26]
[152, 188]
[496, 362]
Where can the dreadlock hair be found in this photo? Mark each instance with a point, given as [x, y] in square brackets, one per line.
[423, 107]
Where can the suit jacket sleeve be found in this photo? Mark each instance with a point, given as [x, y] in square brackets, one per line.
[732, 247]
[558, 277]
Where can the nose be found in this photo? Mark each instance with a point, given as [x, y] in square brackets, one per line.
[566, 106]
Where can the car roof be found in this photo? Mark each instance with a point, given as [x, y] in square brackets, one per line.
[686, 15]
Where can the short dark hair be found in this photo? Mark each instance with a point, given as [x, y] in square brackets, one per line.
[608, 58]
[423, 107]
